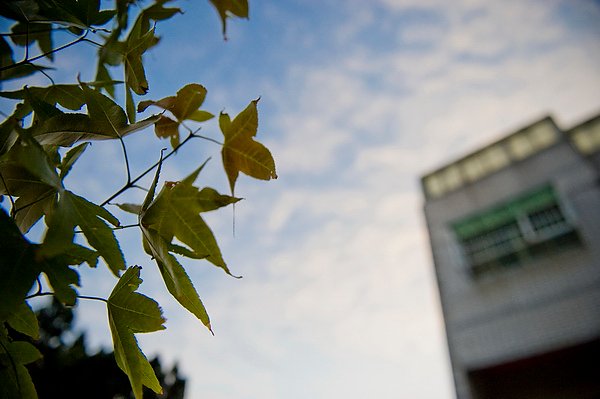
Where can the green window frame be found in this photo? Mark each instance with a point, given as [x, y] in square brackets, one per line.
[515, 230]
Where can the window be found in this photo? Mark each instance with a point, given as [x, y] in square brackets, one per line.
[514, 232]
[587, 139]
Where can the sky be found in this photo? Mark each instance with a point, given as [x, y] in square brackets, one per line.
[358, 99]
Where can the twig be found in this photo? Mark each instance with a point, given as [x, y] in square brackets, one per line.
[126, 158]
[127, 226]
[38, 294]
[133, 182]
[199, 135]
[93, 298]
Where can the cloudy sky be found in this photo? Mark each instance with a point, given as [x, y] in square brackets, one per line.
[358, 99]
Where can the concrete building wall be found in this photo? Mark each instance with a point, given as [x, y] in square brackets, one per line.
[542, 305]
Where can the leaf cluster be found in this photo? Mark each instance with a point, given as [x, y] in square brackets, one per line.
[51, 127]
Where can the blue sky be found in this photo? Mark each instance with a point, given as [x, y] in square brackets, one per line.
[358, 99]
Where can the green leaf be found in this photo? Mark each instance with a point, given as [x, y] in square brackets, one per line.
[73, 210]
[167, 128]
[210, 199]
[24, 321]
[183, 106]
[158, 231]
[156, 12]
[131, 208]
[8, 134]
[67, 129]
[187, 101]
[136, 46]
[175, 212]
[70, 158]
[18, 71]
[181, 250]
[77, 254]
[18, 266]
[42, 109]
[128, 313]
[240, 153]
[68, 96]
[62, 278]
[176, 279]
[34, 202]
[227, 8]
[15, 380]
[129, 105]
[26, 33]
[30, 155]
[200, 116]
[104, 111]
[102, 74]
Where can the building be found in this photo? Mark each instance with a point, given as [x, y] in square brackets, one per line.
[515, 236]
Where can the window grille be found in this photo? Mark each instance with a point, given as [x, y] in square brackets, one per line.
[506, 235]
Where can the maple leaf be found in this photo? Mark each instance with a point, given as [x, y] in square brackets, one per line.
[175, 213]
[227, 8]
[240, 152]
[130, 312]
[24, 321]
[15, 380]
[184, 106]
[73, 210]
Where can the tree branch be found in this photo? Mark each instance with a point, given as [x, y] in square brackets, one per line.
[198, 135]
[133, 182]
[39, 294]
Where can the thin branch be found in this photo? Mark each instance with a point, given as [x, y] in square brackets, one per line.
[37, 57]
[93, 298]
[140, 187]
[126, 158]
[133, 182]
[209, 139]
[127, 226]
[38, 294]
[43, 73]
[93, 42]
[182, 123]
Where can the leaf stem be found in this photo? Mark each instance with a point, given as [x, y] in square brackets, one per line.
[133, 182]
[93, 298]
[37, 294]
[127, 226]
[126, 159]
[199, 135]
